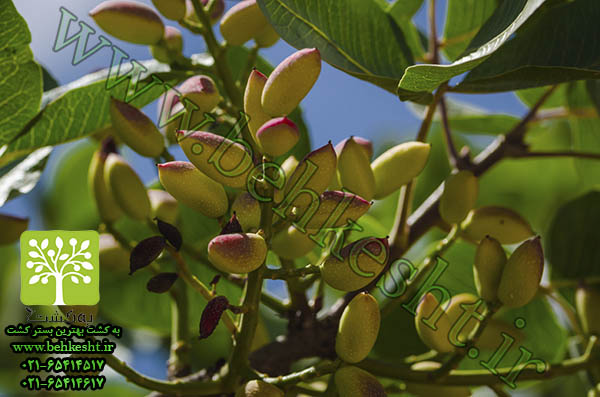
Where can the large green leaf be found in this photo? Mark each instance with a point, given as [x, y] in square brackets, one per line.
[419, 80]
[356, 36]
[402, 12]
[463, 20]
[553, 47]
[530, 96]
[572, 243]
[20, 75]
[80, 108]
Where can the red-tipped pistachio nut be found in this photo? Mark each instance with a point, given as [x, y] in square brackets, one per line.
[242, 22]
[252, 101]
[354, 170]
[277, 136]
[247, 209]
[291, 81]
[202, 91]
[238, 252]
[136, 129]
[364, 143]
[129, 21]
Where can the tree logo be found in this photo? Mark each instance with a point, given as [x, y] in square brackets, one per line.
[59, 268]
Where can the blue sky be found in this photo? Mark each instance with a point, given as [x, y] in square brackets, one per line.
[338, 105]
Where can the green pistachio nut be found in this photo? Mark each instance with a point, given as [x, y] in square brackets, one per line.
[587, 299]
[459, 196]
[490, 260]
[243, 22]
[112, 255]
[247, 210]
[291, 81]
[267, 38]
[503, 224]
[522, 274]
[258, 388]
[364, 143]
[171, 45]
[108, 209]
[129, 21]
[432, 326]
[191, 187]
[136, 129]
[168, 106]
[288, 166]
[291, 243]
[252, 102]
[237, 253]
[354, 170]
[171, 9]
[427, 390]
[358, 328]
[362, 261]
[202, 91]
[277, 136]
[314, 173]
[398, 166]
[223, 160]
[11, 227]
[126, 187]
[164, 206]
[352, 381]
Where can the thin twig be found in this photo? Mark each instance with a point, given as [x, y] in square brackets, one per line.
[455, 160]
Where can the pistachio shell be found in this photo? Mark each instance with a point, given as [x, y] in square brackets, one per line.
[237, 252]
[252, 97]
[126, 187]
[247, 210]
[191, 187]
[164, 206]
[112, 255]
[320, 167]
[277, 136]
[398, 166]
[136, 129]
[258, 388]
[364, 143]
[291, 243]
[354, 168]
[11, 227]
[363, 261]
[436, 339]
[291, 81]
[129, 21]
[490, 260]
[108, 209]
[522, 274]
[202, 91]
[358, 328]
[172, 43]
[459, 196]
[505, 225]
[587, 300]
[288, 167]
[231, 164]
[267, 37]
[242, 22]
[329, 201]
[351, 381]
[171, 9]
[426, 390]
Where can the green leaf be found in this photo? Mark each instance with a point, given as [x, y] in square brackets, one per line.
[420, 80]
[492, 124]
[593, 88]
[356, 36]
[21, 76]
[80, 108]
[529, 96]
[402, 12]
[463, 20]
[549, 49]
[22, 176]
[572, 242]
[49, 81]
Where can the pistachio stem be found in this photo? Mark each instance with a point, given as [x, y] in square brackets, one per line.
[455, 160]
[291, 272]
[184, 272]
[297, 294]
[483, 377]
[316, 371]
[179, 358]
